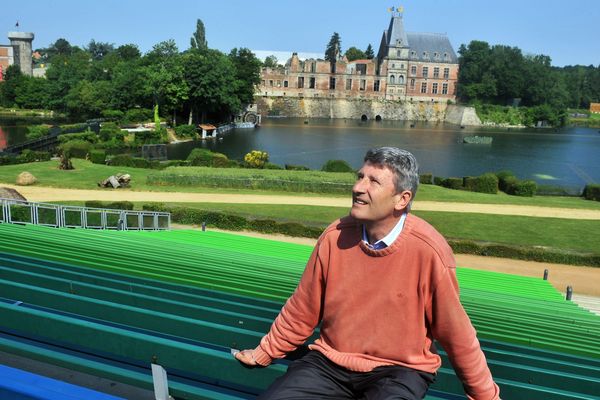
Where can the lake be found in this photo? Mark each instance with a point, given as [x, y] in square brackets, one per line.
[568, 157]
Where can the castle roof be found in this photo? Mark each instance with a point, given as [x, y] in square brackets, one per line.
[431, 47]
[396, 36]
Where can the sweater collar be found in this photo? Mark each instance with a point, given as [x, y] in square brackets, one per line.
[395, 245]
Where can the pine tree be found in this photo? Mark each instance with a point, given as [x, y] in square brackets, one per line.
[369, 52]
[334, 47]
[198, 40]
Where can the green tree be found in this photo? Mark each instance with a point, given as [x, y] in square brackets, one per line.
[99, 50]
[210, 76]
[128, 52]
[247, 73]
[198, 40]
[334, 47]
[369, 52]
[475, 80]
[270, 62]
[32, 93]
[88, 99]
[165, 77]
[63, 74]
[354, 53]
[13, 78]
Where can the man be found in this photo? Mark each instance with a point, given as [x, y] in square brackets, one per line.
[382, 284]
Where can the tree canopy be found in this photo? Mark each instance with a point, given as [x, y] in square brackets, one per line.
[198, 40]
[354, 53]
[334, 48]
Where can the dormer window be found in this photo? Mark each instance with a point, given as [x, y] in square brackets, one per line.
[425, 55]
[413, 54]
[446, 56]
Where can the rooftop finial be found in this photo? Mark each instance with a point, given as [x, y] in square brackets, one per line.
[396, 11]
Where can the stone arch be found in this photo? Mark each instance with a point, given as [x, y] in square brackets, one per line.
[378, 118]
[401, 79]
[364, 117]
[392, 79]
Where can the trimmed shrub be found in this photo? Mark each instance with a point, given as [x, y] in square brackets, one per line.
[453, 183]
[337, 166]
[113, 115]
[486, 183]
[469, 183]
[87, 136]
[205, 158]
[185, 131]
[592, 192]
[438, 181]
[115, 205]
[291, 167]
[75, 148]
[98, 156]
[37, 131]
[426, 179]
[137, 115]
[109, 130]
[139, 162]
[28, 156]
[73, 128]
[523, 188]
[504, 177]
[121, 160]
[272, 166]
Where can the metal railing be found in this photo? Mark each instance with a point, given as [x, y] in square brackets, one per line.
[58, 216]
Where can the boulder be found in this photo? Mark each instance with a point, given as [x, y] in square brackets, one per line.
[26, 179]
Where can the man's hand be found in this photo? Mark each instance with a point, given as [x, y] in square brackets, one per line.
[245, 357]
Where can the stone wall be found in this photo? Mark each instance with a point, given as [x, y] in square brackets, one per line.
[356, 108]
[461, 115]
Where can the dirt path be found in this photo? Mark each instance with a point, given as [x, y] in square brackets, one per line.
[41, 194]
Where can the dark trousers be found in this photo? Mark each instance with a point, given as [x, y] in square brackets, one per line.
[314, 376]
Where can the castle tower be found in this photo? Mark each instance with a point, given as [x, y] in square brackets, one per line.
[393, 52]
[21, 43]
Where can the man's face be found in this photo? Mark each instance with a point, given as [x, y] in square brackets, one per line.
[374, 197]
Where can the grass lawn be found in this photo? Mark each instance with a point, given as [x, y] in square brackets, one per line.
[86, 175]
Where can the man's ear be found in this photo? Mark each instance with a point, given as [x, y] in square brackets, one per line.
[403, 200]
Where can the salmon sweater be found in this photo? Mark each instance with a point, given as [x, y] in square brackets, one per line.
[382, 307]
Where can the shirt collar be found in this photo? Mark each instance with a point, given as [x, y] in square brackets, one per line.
[388, 239]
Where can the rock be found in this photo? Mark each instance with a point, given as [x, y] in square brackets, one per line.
[116, 181]
[26, 179]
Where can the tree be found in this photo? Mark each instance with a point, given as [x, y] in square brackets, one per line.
[271, 62]
[63, 74]
[247, 73]
[32, 93]
[13, 77]
[369, 52]
[98, 50]
[210, 76]
[165, 79]
[198, 40]
[354, 53]
[334, 48]
[128, 52]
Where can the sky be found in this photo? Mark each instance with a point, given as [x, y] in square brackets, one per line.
[568, 32]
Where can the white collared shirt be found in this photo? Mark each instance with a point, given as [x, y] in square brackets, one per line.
[389, 238]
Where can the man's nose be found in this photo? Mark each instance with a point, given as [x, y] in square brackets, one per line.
[359, 186]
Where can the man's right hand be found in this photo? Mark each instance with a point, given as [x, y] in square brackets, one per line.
[246, 357]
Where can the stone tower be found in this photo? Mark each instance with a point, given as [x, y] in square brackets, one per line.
[21, 43]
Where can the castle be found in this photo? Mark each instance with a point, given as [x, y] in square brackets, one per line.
[409, 67]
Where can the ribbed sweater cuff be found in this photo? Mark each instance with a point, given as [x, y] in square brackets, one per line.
[261, 357]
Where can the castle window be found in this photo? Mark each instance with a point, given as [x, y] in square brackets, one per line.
[425, 55]
[300, 82]
[285, 83]
[446, 73]
[413, 54]
[363, 84]
[436, 56]
[376, 86]
[434, 88]
[423, 87]
[392, 79]
[444, 88]
[332, 83]
[398, 53]
[332, 69]
[401, 66]
[425, 72]
[278, 83]
[436, 72]
[313, 66]
[271, 82]
[412, 84]
[311, 83]
[413, 70]
[401, 80]
[361, 69]
[446, 56]
[348, 84]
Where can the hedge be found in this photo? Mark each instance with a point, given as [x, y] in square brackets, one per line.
[115, 205]
[337, 166]
[486, 183]
[88, 136]
[522, 188]
[206, 158]
[76, 148]
[233, 222]
[125, 160]
[592, 192]
[426, 179]
[453, 183]
[281, 180]
[98, 156]
[503, 178]
[185, 131]
[292, 167]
